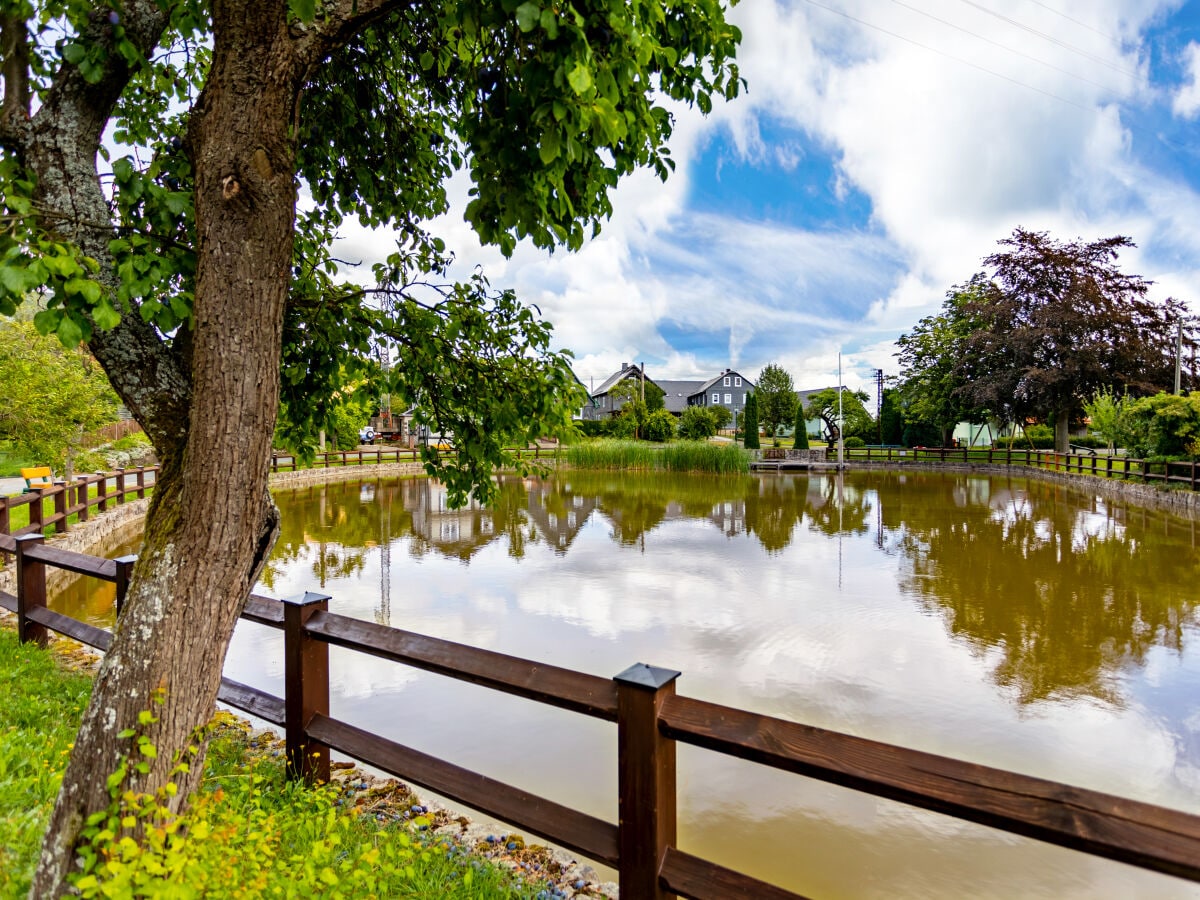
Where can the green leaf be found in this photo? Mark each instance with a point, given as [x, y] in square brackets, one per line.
[106, 317]
[304, 10]
[69, 333]
[580, 79]
[528, 15]
[73, 53]
[89, 290]
[549, 146]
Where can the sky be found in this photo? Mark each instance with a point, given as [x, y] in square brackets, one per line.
[880, 150]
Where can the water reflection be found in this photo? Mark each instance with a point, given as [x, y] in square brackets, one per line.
[1009, 622]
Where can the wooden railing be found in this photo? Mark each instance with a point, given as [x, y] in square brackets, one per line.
[651, 719]
[1182, 473]
[75, 498]
[285, 462]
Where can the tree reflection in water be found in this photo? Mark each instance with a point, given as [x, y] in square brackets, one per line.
[1050, 581]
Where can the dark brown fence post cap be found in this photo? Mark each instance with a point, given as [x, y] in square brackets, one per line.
[646, 676]
[308, 598]
[29, 538]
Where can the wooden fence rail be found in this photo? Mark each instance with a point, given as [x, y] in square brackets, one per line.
[287, 462]
[74, 498]
[651, 720]
[1182, 473]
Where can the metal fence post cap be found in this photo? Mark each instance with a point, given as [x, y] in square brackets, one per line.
[130, 559]
[646, 676]
[308, 598]
[29, 538]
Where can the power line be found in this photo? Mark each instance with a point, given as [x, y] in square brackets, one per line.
[1003, 46]
[1102, 34]
[957, 59]
[1052, 39]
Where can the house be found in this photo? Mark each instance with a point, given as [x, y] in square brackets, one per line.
[729, 389]
[603, 404]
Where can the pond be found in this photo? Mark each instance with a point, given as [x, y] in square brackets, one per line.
[1010, 622]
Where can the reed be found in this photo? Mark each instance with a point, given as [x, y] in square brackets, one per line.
[680, 456]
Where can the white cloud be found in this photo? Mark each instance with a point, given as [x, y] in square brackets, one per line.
[1187, 98]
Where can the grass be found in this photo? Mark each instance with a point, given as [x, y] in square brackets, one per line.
[12, 461]
[248, 833]
[678, 456]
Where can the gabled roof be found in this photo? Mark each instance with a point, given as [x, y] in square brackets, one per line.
[746, 382]
[627, 371]
[676, 393]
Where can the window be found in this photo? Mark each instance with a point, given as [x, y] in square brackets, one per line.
[737, 380]
[743, 399]
[729, 398]
[726, 381]
[716, 398]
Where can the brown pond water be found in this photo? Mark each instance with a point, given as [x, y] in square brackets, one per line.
[1008, 622]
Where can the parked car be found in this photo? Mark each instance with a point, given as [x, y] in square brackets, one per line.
[366, 435]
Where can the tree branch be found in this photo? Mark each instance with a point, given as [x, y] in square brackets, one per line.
[341, 20]
[14, 66]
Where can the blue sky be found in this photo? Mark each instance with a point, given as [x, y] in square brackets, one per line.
[880, 151]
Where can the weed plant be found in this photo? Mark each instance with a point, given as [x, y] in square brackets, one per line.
[247, 833]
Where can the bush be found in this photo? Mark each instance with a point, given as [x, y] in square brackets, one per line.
[592, 427]
[697, 423]
[854, 443]
[659, 426]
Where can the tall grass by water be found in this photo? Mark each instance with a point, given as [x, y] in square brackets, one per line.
[679, 456]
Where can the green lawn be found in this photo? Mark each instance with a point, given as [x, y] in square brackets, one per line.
[247, 833]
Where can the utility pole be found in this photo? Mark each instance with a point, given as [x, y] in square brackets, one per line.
[879, 402]
[841, 421]
[1178, 354]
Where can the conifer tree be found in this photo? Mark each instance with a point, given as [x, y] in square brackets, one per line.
[750, 423]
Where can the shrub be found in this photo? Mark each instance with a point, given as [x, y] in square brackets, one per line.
[592, 427]
[697, 423]
[854, 443]
[701, 456]
[659, 426]
[801, 427]
[751, 423]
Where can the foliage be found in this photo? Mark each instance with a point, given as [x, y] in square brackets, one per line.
[721, 415]
[891, 417]
[750, 422]
[854, 442]
[680, 456]
[1108, 413]
[592, 427]
[1036, 437]
[697, 423]
[1055, 322]
[823, 405]
[52, 395]
[800, 429]
[659, 427]
[775, 398]
[40, 706]
[701, 456]
[931, 383]
[1164, 425]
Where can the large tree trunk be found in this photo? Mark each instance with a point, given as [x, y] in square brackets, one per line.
[211, 522]
[1062, 431]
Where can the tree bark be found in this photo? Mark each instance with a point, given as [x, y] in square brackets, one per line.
[211, 522]
[1062, 431]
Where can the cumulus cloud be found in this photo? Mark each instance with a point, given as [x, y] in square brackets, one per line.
[1187, 98]
[949, 123]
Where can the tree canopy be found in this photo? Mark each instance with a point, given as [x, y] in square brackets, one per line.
[51, 395]
[776, 398]
[857, 421]
[212, 303]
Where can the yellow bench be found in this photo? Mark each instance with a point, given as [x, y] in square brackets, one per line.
[37, 477]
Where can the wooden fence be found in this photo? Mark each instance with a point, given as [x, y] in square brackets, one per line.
[74, 498]
[285, 462]
[651, 719]
[1182, 473]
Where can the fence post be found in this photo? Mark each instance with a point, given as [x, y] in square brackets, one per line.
[645, 780]
[141, 482]
[31, 590]
[37, 511]
[102, 492]
[60, 507]
[124, 573]
[306, 687]
[81, 496]
[5, 523]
